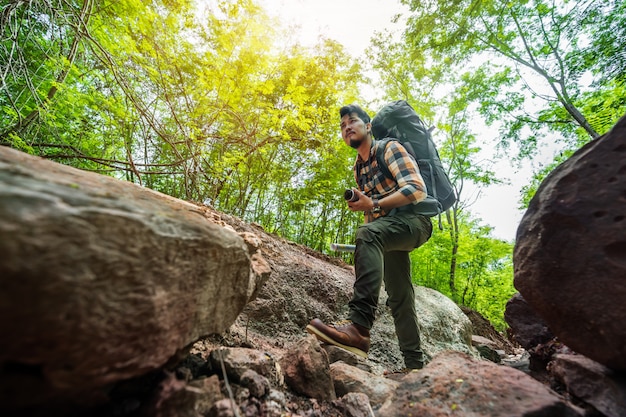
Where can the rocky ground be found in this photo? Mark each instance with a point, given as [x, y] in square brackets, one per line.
[274, 324]
[497, 377]
[119, 301]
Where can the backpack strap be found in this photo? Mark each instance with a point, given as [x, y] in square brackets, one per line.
[380, 156]
[382, 148]
[432, 205]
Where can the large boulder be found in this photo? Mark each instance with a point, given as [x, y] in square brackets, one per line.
[456, 384]
[570, 252]
[103, 281]
[443, 326]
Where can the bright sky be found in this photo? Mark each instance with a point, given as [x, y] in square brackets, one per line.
[350, 22]
[353, 23]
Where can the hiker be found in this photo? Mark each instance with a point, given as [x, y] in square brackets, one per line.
[391, 231]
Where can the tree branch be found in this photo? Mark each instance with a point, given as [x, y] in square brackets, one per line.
[83, 20]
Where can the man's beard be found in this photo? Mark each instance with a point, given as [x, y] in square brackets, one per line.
[355, 143]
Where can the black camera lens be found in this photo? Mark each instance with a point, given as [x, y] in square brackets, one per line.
[350, 195]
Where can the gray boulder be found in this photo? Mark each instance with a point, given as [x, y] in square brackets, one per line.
[443, 326]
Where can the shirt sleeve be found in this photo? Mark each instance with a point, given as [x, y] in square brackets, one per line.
[405, 171]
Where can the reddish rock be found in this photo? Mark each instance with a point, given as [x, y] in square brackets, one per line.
[307, 371]
[456, 384]
[179, 399]
[354, 404]
[258, 385]
[570, 252]
[526, 327]
[591, 383]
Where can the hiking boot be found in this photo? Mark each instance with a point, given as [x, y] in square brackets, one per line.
[345, 334]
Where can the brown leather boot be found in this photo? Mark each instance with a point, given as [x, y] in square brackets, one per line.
[345, 334]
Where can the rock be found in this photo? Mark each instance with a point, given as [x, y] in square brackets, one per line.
[336, 354]
[541, 355]
[223, 408]
[526, 327]
[275, 404]
[486, 348]
[591, 383]
[193, 367]
[443, 326]
[455, 383]
[258, 385]
[519, 360]
[179, 399]
[237, 361]
[570, 251]
[354, 404]
[483, 327]
[480, 340]
[261, 269]
[104, 281]
[307, 371]
[302, 285]
[211, 393]
[347, 378]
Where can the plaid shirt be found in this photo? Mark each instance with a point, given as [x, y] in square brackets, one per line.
[373, 183]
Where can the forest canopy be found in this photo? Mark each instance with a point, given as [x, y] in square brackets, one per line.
[212, 102]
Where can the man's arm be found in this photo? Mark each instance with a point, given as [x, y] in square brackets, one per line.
[411, 187]
[393, 200]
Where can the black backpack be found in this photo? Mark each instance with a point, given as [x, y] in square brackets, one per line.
[398, 121]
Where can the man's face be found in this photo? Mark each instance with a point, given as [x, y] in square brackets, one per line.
[353, 130]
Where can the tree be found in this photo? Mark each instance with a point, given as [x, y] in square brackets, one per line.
[402, 75]
[484, 271]
[40, 43]
[206, 104]
[533, 51]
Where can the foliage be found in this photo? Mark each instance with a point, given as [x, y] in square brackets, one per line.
[539, 69]
[536, 69]
[444, 267]
[207, 105]
[484, 274]
[208, 102]
[39, 51]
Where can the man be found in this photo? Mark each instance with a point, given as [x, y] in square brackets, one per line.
[391, 230]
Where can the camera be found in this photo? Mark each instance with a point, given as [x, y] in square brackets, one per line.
[350, 195]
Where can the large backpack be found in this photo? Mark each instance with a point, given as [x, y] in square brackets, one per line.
[398, 121]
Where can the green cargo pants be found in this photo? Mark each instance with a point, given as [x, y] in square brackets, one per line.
[382, 252]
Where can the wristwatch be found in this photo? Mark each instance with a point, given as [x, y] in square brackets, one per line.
[376, 208]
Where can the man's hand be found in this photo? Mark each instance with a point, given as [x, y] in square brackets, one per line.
[364, 203]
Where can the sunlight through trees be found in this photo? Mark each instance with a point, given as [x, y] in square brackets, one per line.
[218, 104]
